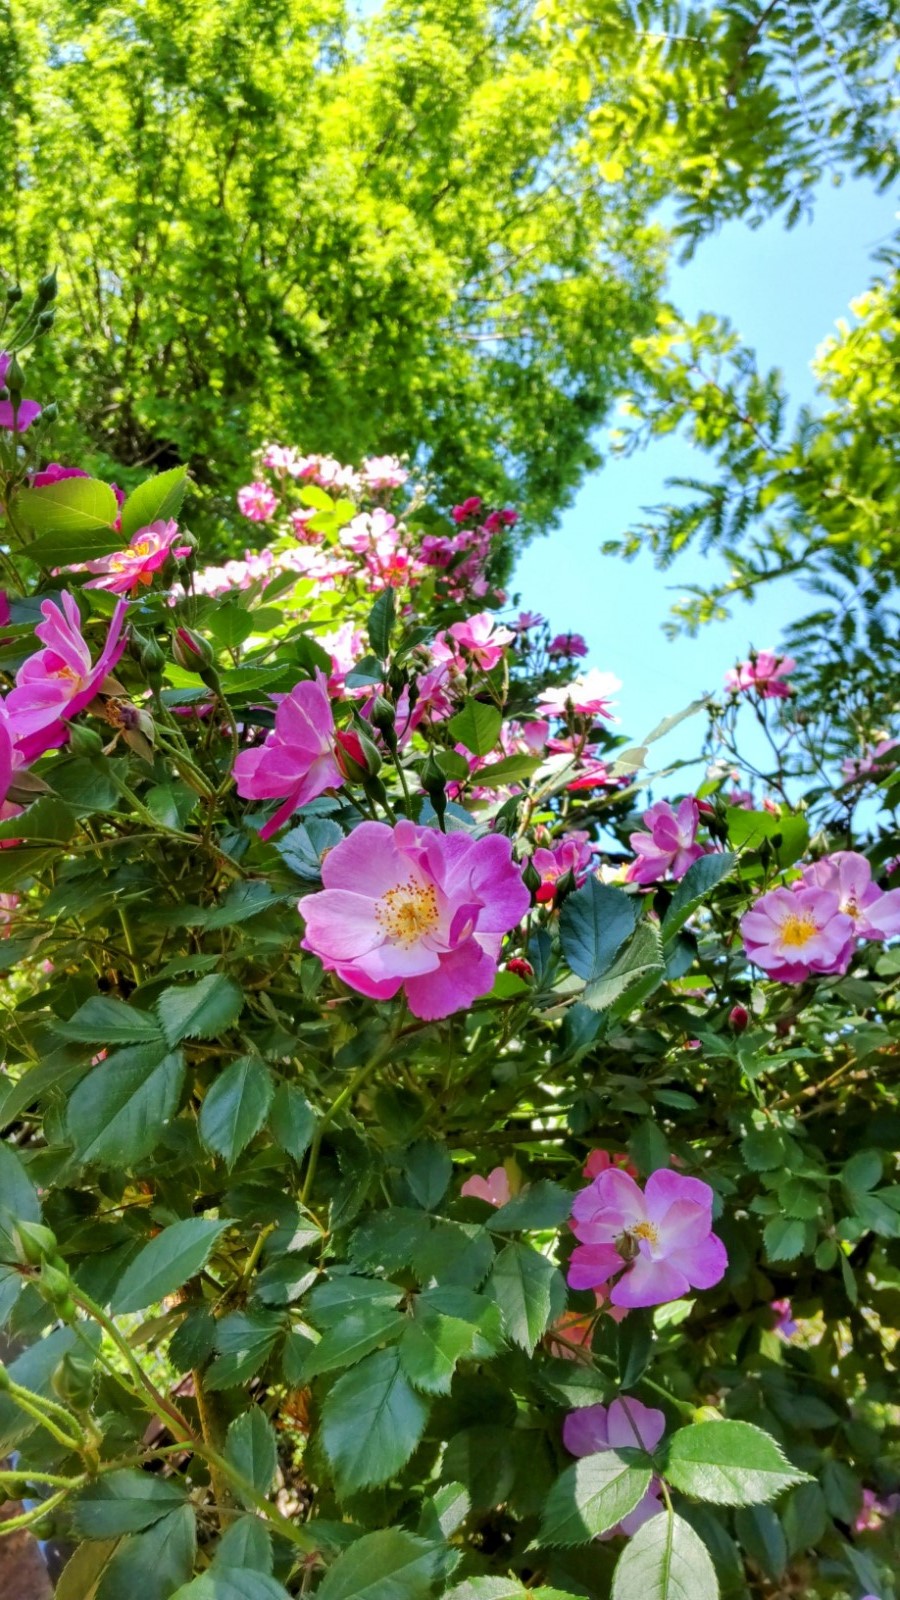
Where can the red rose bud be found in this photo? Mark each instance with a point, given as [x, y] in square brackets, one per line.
[191, 651]
[739, 1018]
[705, 808]
[545, 894]
[521, 967]
[356, 755]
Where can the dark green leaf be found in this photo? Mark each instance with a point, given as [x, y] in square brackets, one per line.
[372, 1421]
[103, 1021]
[244, 1343]
[359, 1332]
[235, 1107]
[246, 1543]
[233, 1583]
[292, 1121]
[124, 1501]
[530, 1292]
[593, 925]
[153, 1564]
[167, 1262]
[200, 1011]
[117, 1114]
[428, 1169]
[698, 882]
[641, 958]
[539, 1207]
[380, 625]
[251, 1448]
[477, 726]
[388, 1565]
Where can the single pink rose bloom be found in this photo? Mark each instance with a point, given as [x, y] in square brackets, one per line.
[573, 854]
[469, 509]
[874, 912]
[791, 933]
[589, 695]
[383, 472]
[658, 1244]
[54, 473]
[409, 907]
[625, 1425]
[494, 1188]
[59, 681]
[567, 645]
[483, 638]
[765, 673]
[297, 758]
[670, 846]
[257, 501]
[602, 1161]
[133, 568]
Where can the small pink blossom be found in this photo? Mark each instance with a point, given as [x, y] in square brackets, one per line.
[483, 638]
[765, 673]
[54, 473]
[409, 907]
[257, 501]
[133, 568]
[383, 472]
[875, 912]
[573, 854]
[505, 517]
[526, 620]
[601, 1161]
[297, 759]
[469, 509]
[494, 1188]
[283, 460]
[871, 764]
[59, 681]
[27, 411]
[658, 1244]
[792, 933]
[588, 695]
[786, 1327]
[669, 846]
[626, 1425]
[567, 645]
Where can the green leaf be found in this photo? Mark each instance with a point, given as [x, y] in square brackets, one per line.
[292, 1121]
[641, 958]
[539, 1207]
[81, 1575]
[388, 1565]
[18, 1200]
[251, 1448]
[448, 1324]
[156, 499]
[154, 1563]
[232, 1583]
[428, 1170]
[490, 1589]
[235, 1107]
[748, 829]
[512, 769]
[167, 1262]
[331, 1302]
[117, 1114]
[530, 1292]
[358, 1333]
[699, 881]
[74, 507]
[246, 1543]
[592, 1496]
[728, 1463]
[477, 726]
[244, 1343]
[665, 1560]
[593, 925]
[124, 1501]
[760, 1533]
[862, 1171]
[47, 819]
[372, 1421]
[785, 1238]
[380, 625]
[200, 1010]
[103, 1021]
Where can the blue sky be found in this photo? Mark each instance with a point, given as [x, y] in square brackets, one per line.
[783, 291]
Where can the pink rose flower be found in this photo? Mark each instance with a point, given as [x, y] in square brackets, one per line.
[383, 472]
[765, 672]
[658, 1244]
[54, 473]
[526, 620]
[282, 459]
[257, 501]
[130, 569]
[791, 933]
[875, 912]
[483, 638]
[27, 411]
[469, 509]
[494, 1188]
[573, 853]
[297, 758]
[670, 846]
[871, 763]
[601, 1161]
[625, 1425]
[588, 695]
[567, 645]
[409, 907]
[786, 1327]
[505, 517]
[59, 681]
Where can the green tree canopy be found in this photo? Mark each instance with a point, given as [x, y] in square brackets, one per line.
[438, 231]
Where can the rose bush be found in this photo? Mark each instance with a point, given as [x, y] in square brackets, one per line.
[419, 1178]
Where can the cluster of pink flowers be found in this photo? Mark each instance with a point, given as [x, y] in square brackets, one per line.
[654, 1246]
[812, 925]
[409, 907]
[764, 674]
[669, 846]
[493, 521]
[573, 856]
[626, 1424]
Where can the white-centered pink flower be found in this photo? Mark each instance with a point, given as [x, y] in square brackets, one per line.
[482, 638]
[61, 680]
[588, 695]
[257, 502]
[296, 762]
[133, 568]
[657, 1244]
[764, 674]
[792, 933]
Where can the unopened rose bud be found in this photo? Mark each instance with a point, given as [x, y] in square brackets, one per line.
[531, 877]
[191, 651]
[50, 413]
[521, 967]
[45, 321]
[13, 294]
[152, 658]
[356, 755]
[706, 1414]
[15, 378]
[53, 1284]
[434, 783]
[46, 289]
[33, 1242]
[739, 1018]
[84, 741]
